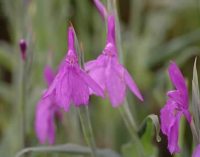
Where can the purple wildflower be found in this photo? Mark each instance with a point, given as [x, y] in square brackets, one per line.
[46, 112]
[196, 152]
[23, 47]
[109, 73]
[176, 106]
[100, 7]
[72, 84]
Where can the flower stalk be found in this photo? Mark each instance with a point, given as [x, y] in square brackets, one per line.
[125, 109]
[23, 51]
[84, 112]
[132, 127]
[87, 128]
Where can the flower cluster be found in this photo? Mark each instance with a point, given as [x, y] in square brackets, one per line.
[73, 85]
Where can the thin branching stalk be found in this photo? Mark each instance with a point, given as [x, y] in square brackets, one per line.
[125, 110]
[23, 105]
[87, 128]
[132, 127]
[84, 111]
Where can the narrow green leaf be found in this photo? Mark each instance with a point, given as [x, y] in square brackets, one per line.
[71, 149]
[173, 47]
[196, 102]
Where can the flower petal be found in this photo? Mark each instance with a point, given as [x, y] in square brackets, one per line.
[132, 85]
[177, 78]
[64, 90]
[196, 152]
[177, 96]
[80, 90]
[115, 86]
[98, 63]
[48, 75]
[111, 29]
[167, 116]
[92, 84]
[101, 8]
[173, 136]
[44, 123]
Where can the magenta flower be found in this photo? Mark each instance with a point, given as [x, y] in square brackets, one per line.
[176, 106]
[196, 152]
[100, 7]
[72, 84]
[46, 112]
[109, 73]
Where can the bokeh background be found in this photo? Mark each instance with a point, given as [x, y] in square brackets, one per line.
[153, 33]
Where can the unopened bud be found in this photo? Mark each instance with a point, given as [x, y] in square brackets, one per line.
[23, 47]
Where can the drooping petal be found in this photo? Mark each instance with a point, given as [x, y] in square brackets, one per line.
[94, 64]
[115, 86]
[132, 85]
[44, 123]
[64, 90]
[55, 82]
[92, 84]
[48, 75]
[167, 116]
[196, 152]
[173, 136]
[178, 80]
[80, 90]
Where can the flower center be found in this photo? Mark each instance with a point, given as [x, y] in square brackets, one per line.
[110, 50]
[71, 60]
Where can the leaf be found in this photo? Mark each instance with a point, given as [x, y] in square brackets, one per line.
[155, 121]
[129, 150]
[72, 149]
[195, 101]
[146, 133]
[150, 149]
[173, 47]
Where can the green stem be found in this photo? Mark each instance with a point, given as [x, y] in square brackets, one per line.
[132, 127]
[125, 110]
[87, 128]
[23, 106]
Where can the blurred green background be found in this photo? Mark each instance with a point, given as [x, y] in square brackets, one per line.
[153, 33]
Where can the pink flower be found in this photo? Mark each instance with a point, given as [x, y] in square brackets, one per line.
[46, 112]
[196, 152]
[72, 84]
[176, 106]
[109, 73]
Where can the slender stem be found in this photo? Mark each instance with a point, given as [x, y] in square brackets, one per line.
[87, 128]
[23, 106]
[132, 127]
[125, 110]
